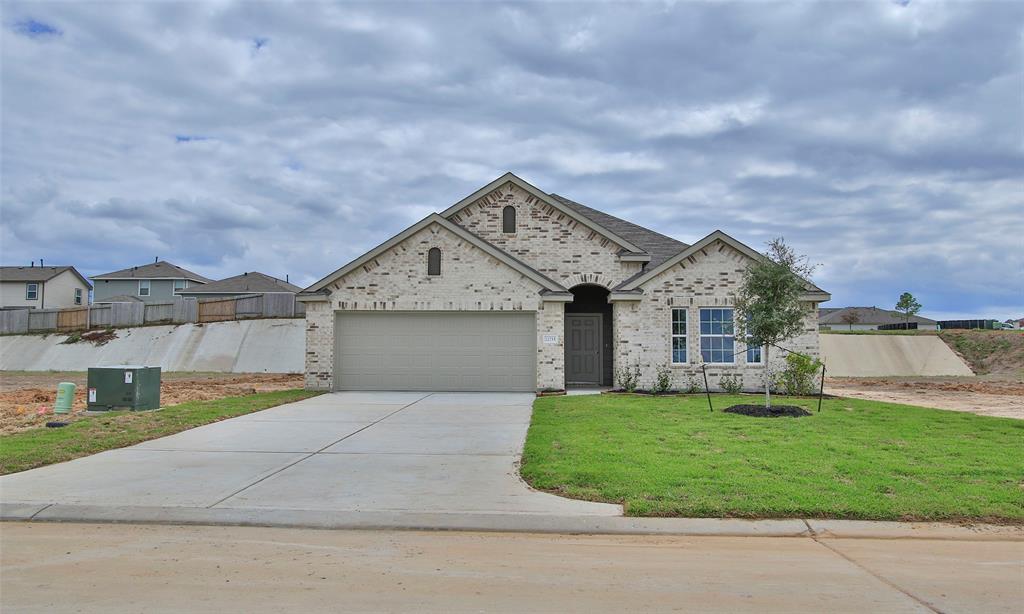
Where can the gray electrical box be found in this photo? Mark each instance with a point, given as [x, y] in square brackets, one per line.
[131, 387]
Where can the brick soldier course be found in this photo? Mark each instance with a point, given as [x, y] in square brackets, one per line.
[557, 247]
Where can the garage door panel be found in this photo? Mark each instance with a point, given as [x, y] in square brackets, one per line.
[435, 351]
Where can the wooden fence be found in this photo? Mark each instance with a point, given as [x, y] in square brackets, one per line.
[181, 311]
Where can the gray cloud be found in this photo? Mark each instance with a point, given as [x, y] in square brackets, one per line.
[883, 140]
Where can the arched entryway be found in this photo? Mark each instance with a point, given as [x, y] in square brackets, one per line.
[588, 337]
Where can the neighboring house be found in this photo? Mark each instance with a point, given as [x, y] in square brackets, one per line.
[868, 318]
[512, 288]
[157, 282]
[241, 285]
[43, 287]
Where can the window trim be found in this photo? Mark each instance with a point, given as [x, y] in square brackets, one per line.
[684, 336]
[430, 267]
[732, 357]
[34, 291]
[505, 219]
[78, 296]
[149, 287]
[175, 288]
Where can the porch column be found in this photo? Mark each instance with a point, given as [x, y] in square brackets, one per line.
[551, 345]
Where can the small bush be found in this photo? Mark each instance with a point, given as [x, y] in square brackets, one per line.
[628, 377]
[73, 338]
[662, 379]
[733, 383]
[800, 375]
[693, 384]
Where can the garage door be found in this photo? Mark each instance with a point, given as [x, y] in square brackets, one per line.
[435, 351]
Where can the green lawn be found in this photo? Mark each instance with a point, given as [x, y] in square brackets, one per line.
[45, 446]
[670, 456]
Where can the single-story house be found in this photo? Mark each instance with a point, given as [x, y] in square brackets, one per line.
[43, 287]
[157, 282]
[512, 288]
[245, 284]
[868, 318]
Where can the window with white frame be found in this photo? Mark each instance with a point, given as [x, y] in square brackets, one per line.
[753, 350]
[143, 287]
[179, 284]
[78, 296]
[31, 291]
[678, 336]
[717, 343]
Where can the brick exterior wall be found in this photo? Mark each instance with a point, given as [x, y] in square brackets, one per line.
[547, 239]
[642, 328]
[470, 280]
[561, 248]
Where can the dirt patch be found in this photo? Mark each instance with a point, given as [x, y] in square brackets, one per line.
[995, 352]
[991, 395]
[760, 411]
[95, 337]
[26, 399]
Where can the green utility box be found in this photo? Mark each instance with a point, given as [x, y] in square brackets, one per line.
[123, 387]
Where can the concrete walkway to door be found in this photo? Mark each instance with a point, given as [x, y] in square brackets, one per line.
[348, 451]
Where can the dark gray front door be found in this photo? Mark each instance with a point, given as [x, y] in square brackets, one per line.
[583, 349]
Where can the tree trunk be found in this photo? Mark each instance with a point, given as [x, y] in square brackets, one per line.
[767, 379]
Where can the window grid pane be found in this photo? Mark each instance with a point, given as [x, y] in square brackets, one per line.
[678, 336]
[717, 343]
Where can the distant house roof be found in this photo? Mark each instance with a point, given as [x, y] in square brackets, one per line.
[154, 270]
[252, 282]
[120, 298]
[867, 315]
[37, 273]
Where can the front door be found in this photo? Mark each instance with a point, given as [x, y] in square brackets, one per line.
[583, 349]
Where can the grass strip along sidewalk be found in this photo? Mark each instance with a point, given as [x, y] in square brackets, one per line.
[857, 459]
[117, 429]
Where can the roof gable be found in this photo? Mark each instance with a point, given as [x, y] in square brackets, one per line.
[247, 283]
[544, 281]
[38, 273]
[548, 199]
[635, 282]
[154, 270]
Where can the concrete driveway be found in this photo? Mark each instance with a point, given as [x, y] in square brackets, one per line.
[349, 451]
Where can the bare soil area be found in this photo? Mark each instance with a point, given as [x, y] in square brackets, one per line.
[991, 395]
[27, 398]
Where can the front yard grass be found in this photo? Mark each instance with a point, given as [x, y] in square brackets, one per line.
[117, 429]
[670, 456]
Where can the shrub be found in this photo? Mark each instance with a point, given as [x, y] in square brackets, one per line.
[662, 379]
[628, 377]
[693, 384]
[733, 383]
[800, 375]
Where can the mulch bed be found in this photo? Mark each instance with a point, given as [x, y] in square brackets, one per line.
[775, 411]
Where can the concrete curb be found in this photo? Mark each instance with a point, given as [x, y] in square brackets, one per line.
[519, 523]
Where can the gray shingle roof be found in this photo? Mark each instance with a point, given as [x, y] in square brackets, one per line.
[252, 282]
[154, 270]
[867, 315]
[37, 273]
[119, 298]
[659, 246]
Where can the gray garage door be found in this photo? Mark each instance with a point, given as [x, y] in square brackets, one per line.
[435, 351]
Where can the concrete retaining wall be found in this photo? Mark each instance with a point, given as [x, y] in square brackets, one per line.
[248, 346]
[889, 355]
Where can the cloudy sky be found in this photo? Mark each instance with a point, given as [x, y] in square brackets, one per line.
[885, 140]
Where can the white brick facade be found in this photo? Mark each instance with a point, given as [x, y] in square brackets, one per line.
[643, 328]
[561, 248]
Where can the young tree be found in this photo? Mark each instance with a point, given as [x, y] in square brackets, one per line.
[768, 304]
[908, 306]
[851, 318]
